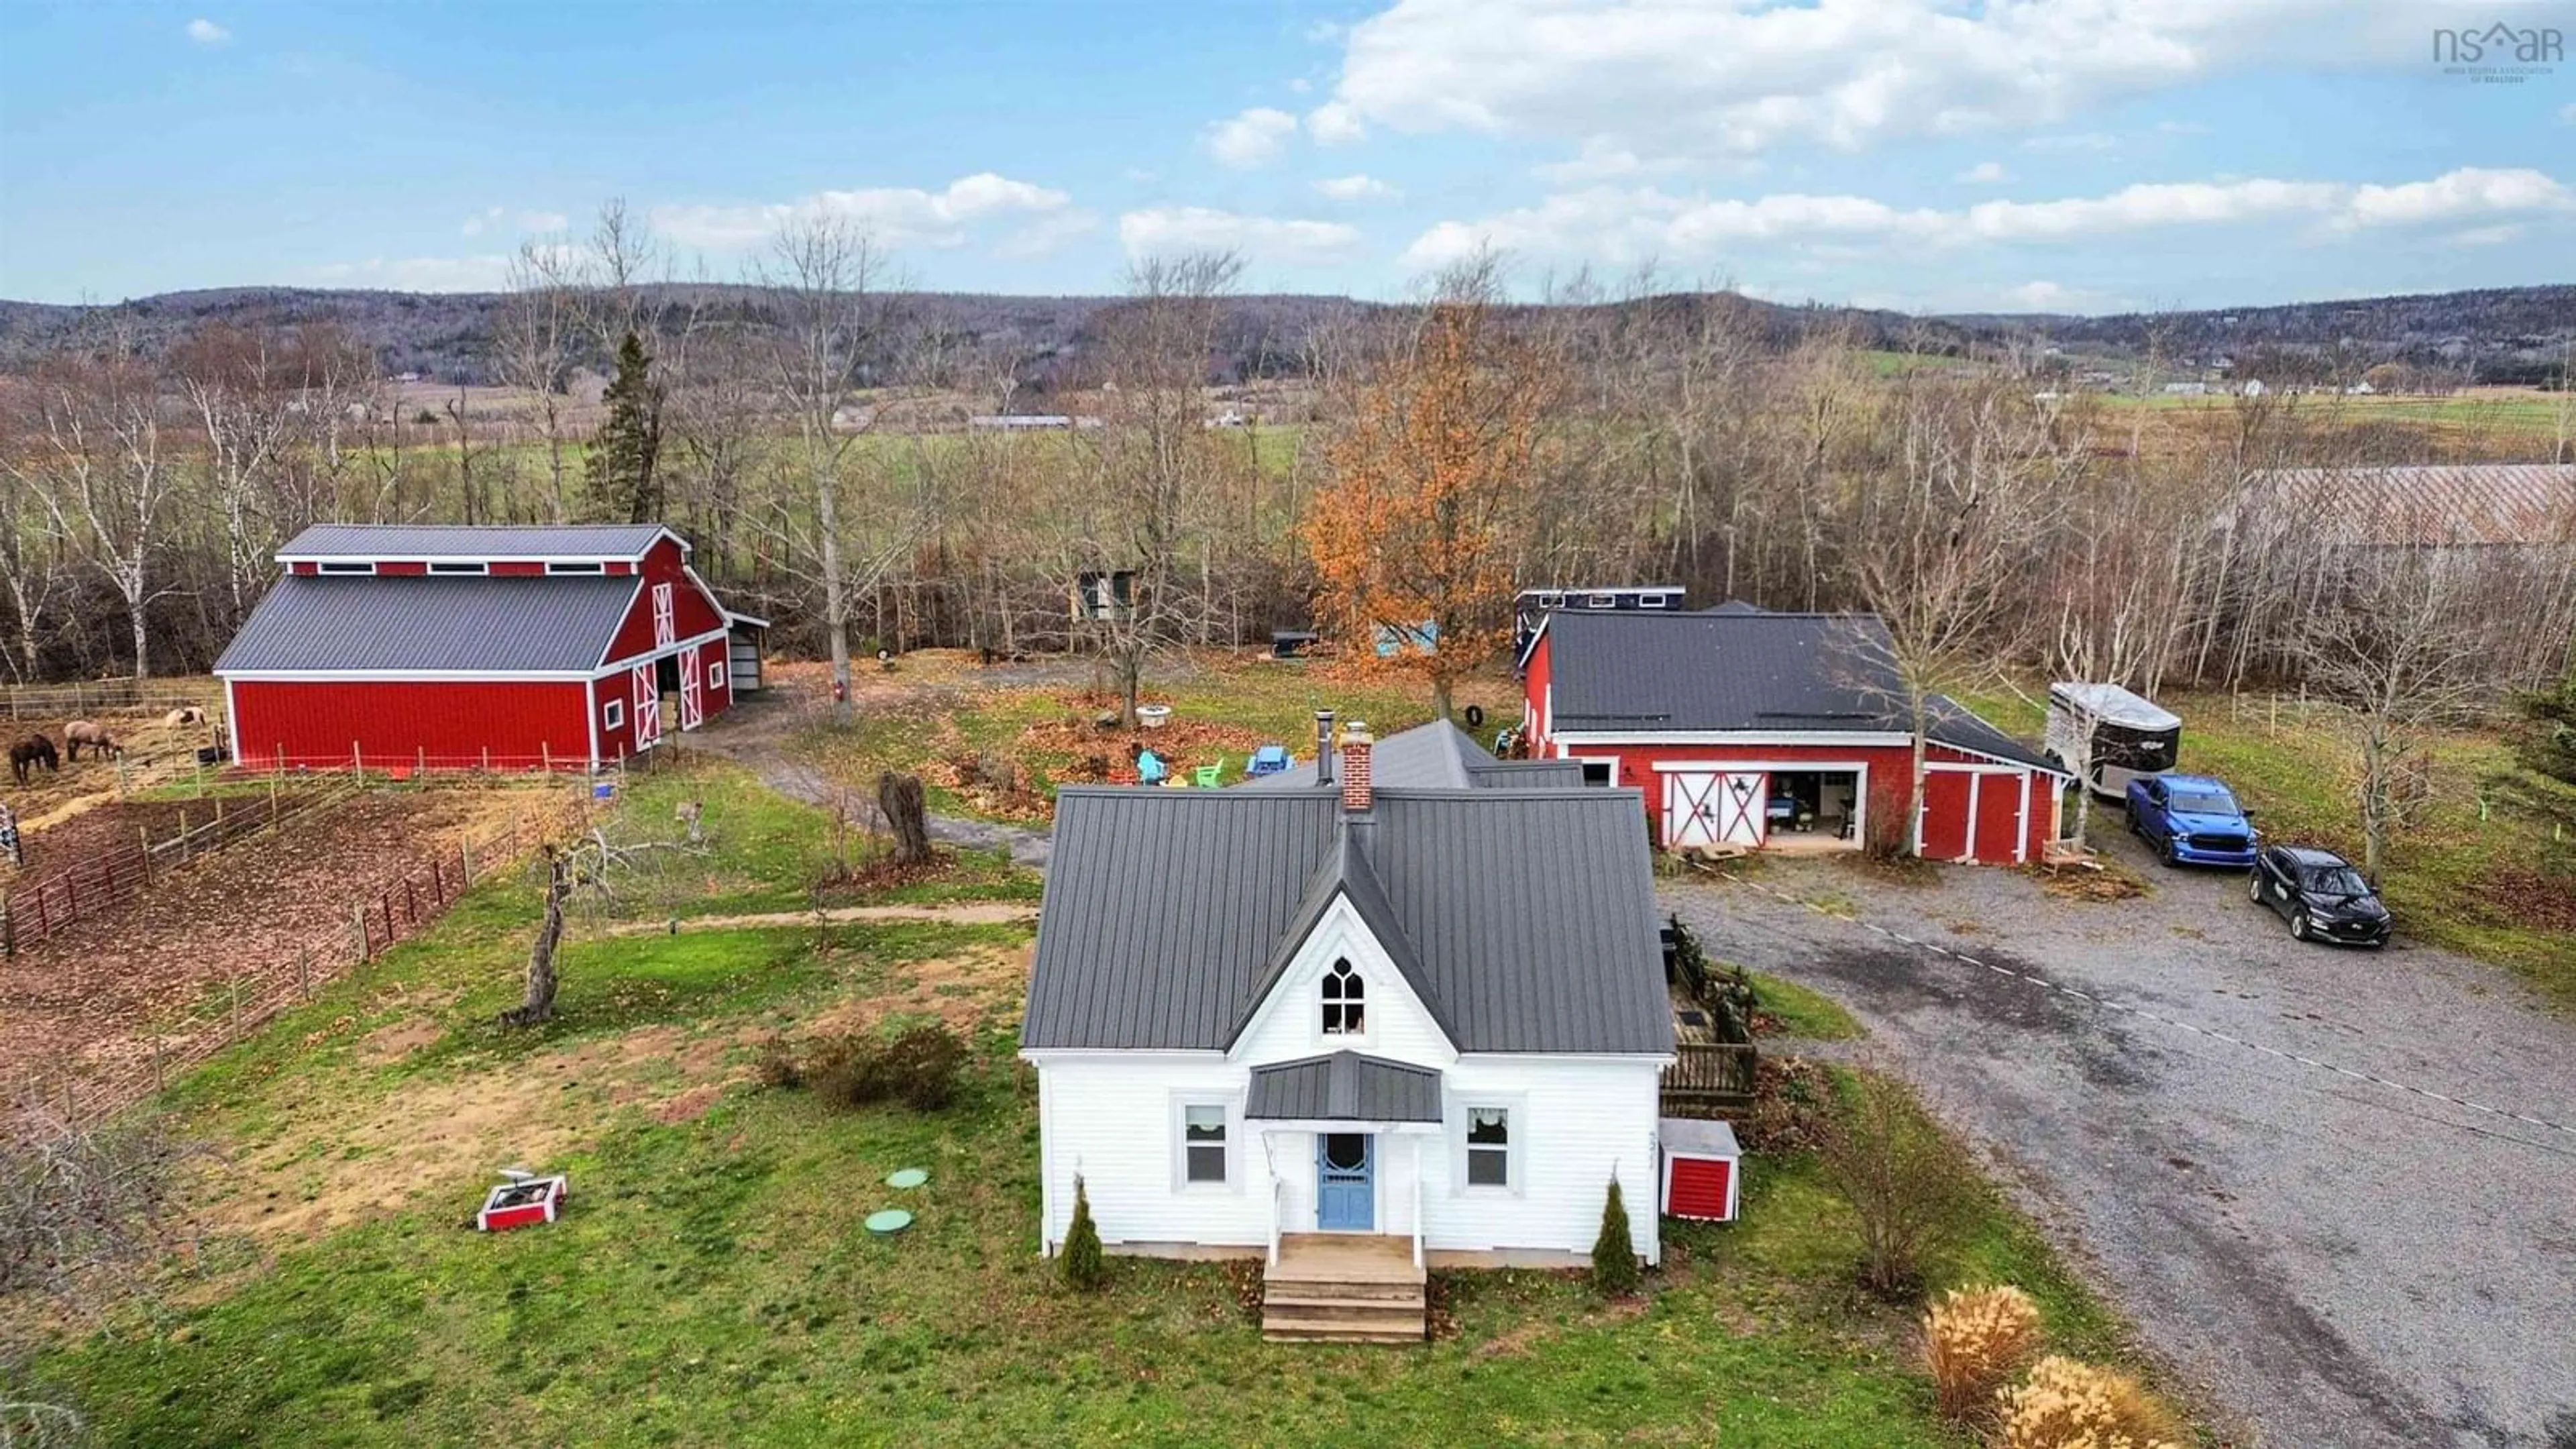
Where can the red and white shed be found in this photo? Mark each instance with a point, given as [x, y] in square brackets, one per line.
[419, 647]
[1747, 729]
[1703, 1169]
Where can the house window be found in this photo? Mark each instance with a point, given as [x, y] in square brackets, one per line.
[1600, 772]
[1653, 601]
[460, 568]
[612, 715]
[576, 568]
[1489, 1147]
[715, 676]
[1345, 1006]
[1601, 601]
[347, 568]
[1203, 1142]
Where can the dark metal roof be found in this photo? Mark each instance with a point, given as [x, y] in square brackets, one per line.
[1436, 756]
[501, 625]
[440, 540]
[1736, 668]
[1168, 912]
[1343, 1087]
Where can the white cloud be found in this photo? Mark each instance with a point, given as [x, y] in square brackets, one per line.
[1335, 124]
[1046, 235]
[482, 273]
[1985, 173]
[1613, 225]
[1165, 230]
[490, 218]
[1357, 188]
[2072, 141]
[543, 221]
[1602, 161]
[1662, 77]
[2567, 114]
[894, 215]
[1299, 85]
[207, 32]
[1254, 138]
[2486, 236]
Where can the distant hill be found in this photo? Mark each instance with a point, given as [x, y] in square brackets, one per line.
[2508, 335]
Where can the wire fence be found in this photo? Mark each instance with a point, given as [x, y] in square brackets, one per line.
[249, 1000]
[71, 701]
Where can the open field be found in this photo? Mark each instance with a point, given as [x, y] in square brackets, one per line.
[2466, 871]
[711, 1283]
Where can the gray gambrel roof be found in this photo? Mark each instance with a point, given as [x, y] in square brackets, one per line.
[472, 541]
[1736, 668]
[1343, 1087]
[425, 622]
[1524, 919]
[1437, 756]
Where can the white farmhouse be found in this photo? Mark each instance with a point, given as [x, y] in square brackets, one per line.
[1353, 1026]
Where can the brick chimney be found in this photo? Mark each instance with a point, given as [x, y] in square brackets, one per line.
[1357, 797]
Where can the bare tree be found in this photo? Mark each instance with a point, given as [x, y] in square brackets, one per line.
[106, 480]
[535, 342]
[596, 869]
[242, 393]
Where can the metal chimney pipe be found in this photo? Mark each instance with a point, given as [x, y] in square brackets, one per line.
[1323, 747]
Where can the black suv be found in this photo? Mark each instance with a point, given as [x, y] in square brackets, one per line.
[2320, 895]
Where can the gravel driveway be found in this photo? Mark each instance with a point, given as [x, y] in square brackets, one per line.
[2337, 1261]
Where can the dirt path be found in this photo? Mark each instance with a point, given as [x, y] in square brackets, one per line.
[966, 913]
[2337, 1189]
[755, 732]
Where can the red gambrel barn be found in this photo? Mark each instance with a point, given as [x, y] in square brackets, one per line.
[1750, 730]
[453, 648]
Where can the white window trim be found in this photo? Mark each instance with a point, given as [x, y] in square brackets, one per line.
[450, 566]
[1610, 760]
[612, 715]
[1515, 1107]
[344, 568]
[1179, 1129]
[715, 676]
[558, 566]
[1367, 1034]
[1654, 601]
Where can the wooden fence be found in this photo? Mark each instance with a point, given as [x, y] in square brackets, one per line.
[245, 1003]
[72, 701]
[107, 880]
[1709, 1076]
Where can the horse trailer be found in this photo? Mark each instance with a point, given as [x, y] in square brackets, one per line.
[2110, 736]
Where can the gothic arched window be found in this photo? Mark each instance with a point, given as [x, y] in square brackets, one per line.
[1345, 1003]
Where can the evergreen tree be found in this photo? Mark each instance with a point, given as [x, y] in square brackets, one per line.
[621, 477]
[1083, 1267]
[1614, 1253]
[2545, 741]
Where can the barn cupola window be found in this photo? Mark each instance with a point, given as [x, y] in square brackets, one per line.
[1345, 1001]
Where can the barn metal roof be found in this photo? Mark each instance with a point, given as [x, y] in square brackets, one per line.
[418, 622]
[1438, 755]
[1744, 670]
[1168, 912]
[1343, 1087]
[2470, 503]
[471, 541]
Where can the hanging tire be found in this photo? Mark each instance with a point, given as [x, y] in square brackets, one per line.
[2298, 925]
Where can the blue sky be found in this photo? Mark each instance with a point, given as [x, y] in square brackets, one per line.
[1921, 154]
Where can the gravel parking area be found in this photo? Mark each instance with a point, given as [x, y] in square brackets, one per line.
[2334, 1260]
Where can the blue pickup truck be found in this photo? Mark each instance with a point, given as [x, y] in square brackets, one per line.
[2190, 820]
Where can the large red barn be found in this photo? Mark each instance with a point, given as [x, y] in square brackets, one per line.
[1757, 730]
[424, 647]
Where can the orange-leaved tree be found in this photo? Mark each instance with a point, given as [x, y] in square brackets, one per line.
[1413, 540]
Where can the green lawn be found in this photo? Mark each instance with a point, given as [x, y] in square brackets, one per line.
[1803, 1012]
[2450, 867]
[710, 1283]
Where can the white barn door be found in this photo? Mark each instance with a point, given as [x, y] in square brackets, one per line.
[1740, 817]
[665, 627]
[648, 706]
[693, 691]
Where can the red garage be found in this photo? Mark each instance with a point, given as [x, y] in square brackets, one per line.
[447, 648]
[1751, 730]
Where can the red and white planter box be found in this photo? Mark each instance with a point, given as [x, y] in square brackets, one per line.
[523, 1202]
[1703, 1169]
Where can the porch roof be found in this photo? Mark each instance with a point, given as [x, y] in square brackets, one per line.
[1344, 1087]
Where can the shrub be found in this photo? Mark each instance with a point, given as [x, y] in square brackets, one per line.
[777, 1066]
[1975, 1340]
[2065, 1404]
[1903, 1178]
[918, 1068]
[1614, 1254]
[1084, 1268]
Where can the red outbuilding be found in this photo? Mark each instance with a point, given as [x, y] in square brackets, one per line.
[452, 648]
[1748, 729]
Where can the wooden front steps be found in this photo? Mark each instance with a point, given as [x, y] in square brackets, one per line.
[1343, 1288]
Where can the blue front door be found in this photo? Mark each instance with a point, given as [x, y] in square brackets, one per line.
[1345, 1192]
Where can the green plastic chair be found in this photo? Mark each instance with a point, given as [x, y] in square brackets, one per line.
[1205, 776]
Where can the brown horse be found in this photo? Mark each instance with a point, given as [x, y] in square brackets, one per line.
[93, 734]
[33, 750]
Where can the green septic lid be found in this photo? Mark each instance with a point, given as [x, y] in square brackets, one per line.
[892, 1220]
[908, 1177]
